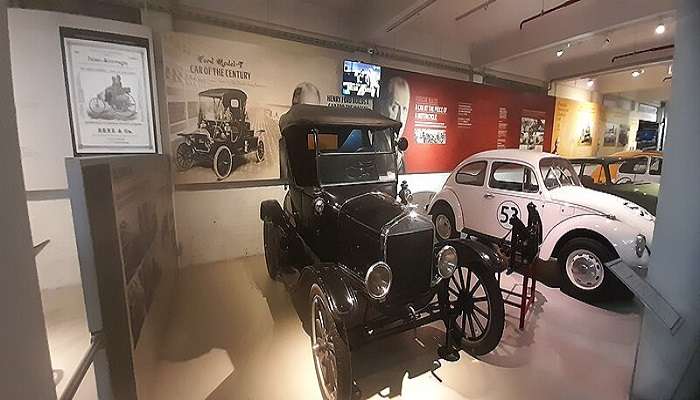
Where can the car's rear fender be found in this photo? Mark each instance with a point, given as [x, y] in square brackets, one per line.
[449, 197]
[471, 251]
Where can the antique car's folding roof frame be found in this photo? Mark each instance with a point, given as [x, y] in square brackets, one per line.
[220, 92]
[315, 115]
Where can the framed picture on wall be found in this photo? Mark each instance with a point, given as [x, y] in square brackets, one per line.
[110, 92]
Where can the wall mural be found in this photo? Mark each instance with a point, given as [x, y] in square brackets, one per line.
[447, 120]
[225, 99]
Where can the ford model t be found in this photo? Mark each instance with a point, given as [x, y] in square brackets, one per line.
[223, 132]
[368, 263]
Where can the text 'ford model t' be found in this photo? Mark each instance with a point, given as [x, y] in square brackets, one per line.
[223, 132]
[367, 262]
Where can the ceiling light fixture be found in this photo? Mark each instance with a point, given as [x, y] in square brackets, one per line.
[660, 29]
[590, 83]
[637, 72]
[560, 52]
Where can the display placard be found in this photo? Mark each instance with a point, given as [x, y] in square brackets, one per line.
[110, 92]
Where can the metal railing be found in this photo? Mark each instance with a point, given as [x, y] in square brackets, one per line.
[96, 344]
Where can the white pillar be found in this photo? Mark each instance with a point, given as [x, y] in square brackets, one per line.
[668, 367]
[24, 351]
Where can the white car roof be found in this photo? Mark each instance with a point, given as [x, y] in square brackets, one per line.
[528, 156]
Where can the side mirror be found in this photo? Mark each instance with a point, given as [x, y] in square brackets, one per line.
[402, 144]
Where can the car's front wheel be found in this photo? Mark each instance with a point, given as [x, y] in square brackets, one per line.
[330, 350]
[444, 221]
[583, 271]
[475, 303]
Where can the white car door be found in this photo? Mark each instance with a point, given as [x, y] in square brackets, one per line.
[470, 187]
[510, 187]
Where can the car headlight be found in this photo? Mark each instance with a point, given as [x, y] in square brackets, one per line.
[378, 280]
[446, 262]
[319, 205]
[640, 244]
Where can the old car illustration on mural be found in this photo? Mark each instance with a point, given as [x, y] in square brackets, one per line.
[223, 132]
[365, 263]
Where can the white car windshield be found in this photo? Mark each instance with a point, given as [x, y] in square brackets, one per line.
[558, 172]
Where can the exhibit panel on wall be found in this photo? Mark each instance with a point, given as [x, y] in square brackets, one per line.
[108, 80]
[446, 120]
[125, 231]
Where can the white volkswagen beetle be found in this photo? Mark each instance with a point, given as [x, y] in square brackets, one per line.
[582, 229]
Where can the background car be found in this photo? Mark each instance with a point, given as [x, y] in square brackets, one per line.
[595, 173]
[639, 166]
[581, 229]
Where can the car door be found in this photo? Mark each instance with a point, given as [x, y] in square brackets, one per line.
[469, 186]
[510, 187]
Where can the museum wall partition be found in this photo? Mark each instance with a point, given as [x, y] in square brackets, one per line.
[446, 120]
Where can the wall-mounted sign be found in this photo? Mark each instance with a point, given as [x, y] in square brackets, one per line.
[110, 93]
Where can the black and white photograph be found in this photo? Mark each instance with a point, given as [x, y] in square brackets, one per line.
[531, 133]
[610, 137]
[361, 79]
[623, 137]
[585, 137]
[109, 88]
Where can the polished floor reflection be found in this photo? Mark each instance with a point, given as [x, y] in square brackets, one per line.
[234, 334]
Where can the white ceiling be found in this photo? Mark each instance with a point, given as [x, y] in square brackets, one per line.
[489, 38]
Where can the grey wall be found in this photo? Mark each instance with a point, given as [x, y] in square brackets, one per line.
[25, 364]
[663, 360]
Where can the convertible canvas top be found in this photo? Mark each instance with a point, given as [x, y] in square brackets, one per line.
[220, 92]
[307, 114]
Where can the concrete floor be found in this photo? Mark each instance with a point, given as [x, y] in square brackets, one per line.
[234, 334]
[68, 337]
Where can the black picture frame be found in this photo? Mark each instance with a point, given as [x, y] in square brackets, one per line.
[118, 39]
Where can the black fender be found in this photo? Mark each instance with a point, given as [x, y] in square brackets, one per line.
[470, 251]
[271, 210]
[341, 292]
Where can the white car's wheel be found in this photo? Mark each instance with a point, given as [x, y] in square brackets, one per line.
[444, 221]
[583, 272]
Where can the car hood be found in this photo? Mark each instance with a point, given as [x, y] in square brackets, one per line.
[376, 210]
[606, 204]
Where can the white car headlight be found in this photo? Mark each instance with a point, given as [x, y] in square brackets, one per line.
[378, 280]
[640, 244]
[446, 262]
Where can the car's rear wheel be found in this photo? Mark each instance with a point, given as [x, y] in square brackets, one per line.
[444, 220]
[476, 304]
[276, 253]
[583, 272]
[184, 157]
[223, 162]
[330, 350]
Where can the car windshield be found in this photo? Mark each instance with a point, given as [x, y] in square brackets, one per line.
[348, 155]
[558, 172]
[211, 108]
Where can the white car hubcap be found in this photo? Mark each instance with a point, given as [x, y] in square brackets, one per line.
[584, 269]
[443, 226]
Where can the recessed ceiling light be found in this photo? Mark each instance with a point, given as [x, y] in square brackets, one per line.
[635, 74]
[660, 29]
[560, 53]
[590, 83]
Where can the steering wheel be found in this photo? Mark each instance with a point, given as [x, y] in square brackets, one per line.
[623, 180]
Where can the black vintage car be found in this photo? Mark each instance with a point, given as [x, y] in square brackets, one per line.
[365, 260]
[223, 131]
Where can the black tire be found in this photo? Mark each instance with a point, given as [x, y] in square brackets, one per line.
[276, 254]
[442, 214]
[607, 287]
[223, 162]
[184, 157]
[476, 305]
[339, 348]
[260, 151]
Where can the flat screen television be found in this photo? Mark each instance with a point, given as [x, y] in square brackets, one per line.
[361, 79]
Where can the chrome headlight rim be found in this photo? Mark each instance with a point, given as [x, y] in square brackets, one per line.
[640, 244]
[438, 261]
[370, 270]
